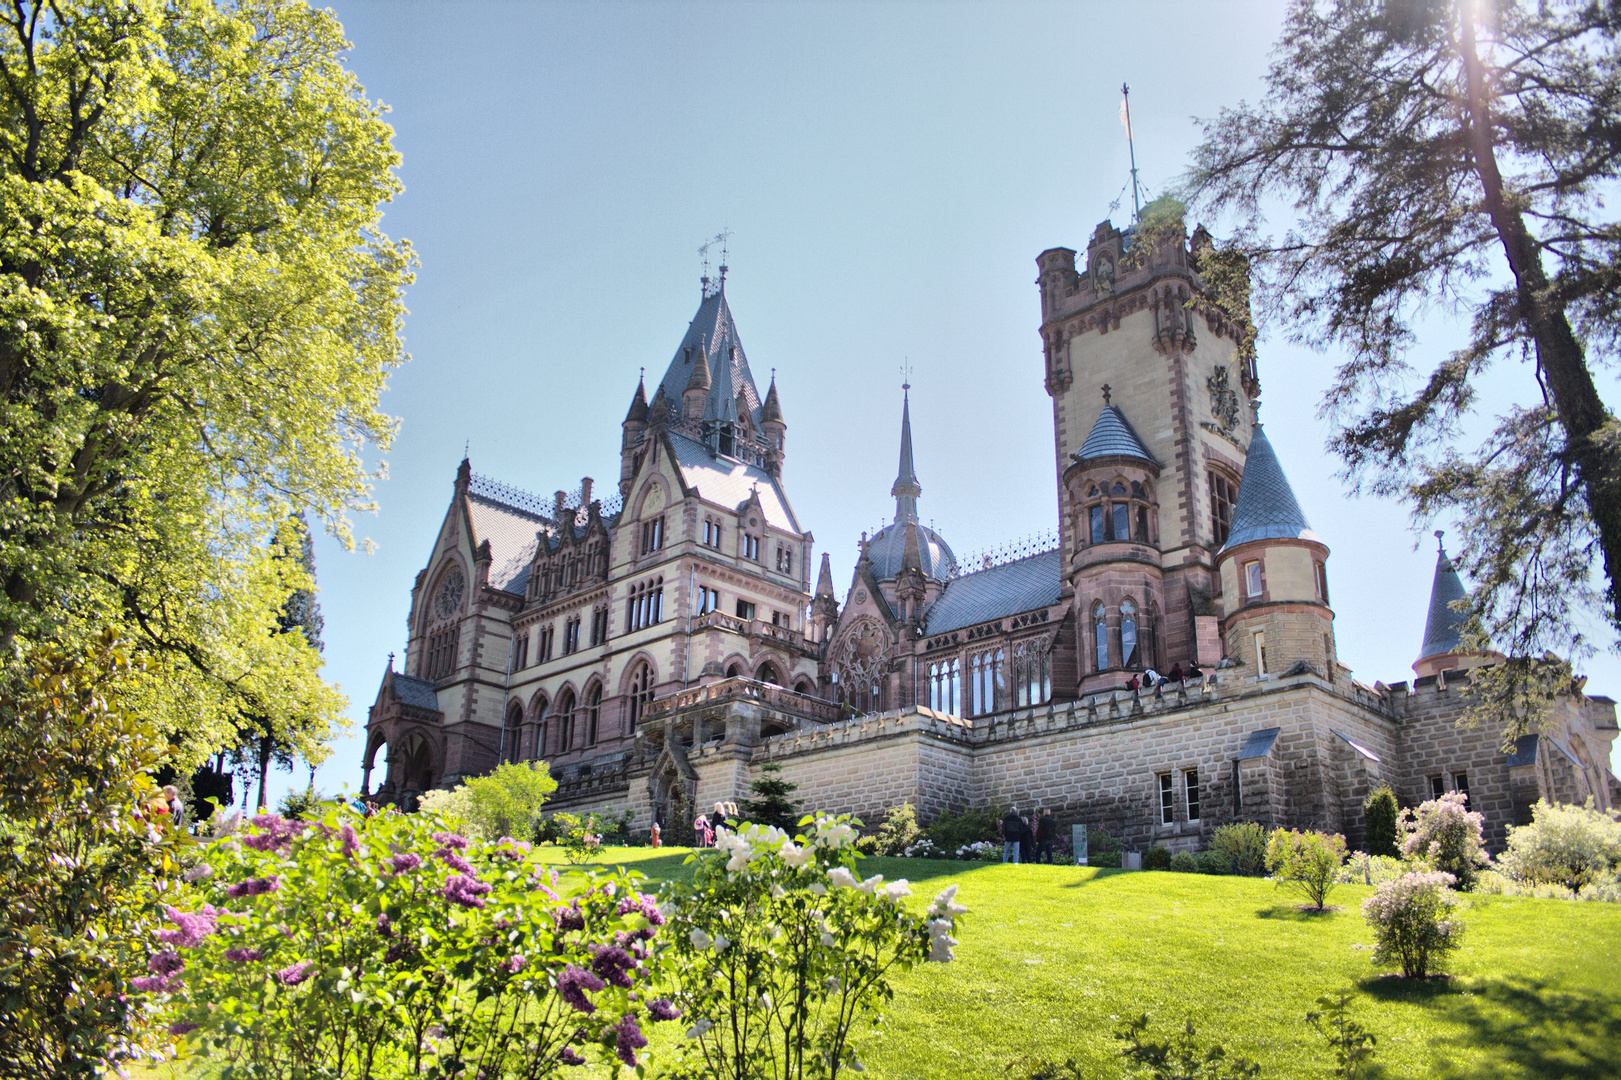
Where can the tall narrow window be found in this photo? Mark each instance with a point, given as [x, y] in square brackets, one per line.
[520, 653]
[543, 649]
[1190, 785]
[1322, 582]
[1223, 493]
[751, 547]
[1128, 633]
[1098, 535]
[1142, 525]
[641, 692]
[645, 605]
[1438, 787]
[571, 635]
[712, 533]
[1253, 584]
[599, 625]
[593, 713]
[1259, 638]
[565, 722]
[1167, 800]
[1460, 782]
[1122, 521]
[652, 535]
[708, 599]
[1100, 636]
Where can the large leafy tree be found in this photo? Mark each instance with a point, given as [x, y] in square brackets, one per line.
[197, 315]
[1453, 157]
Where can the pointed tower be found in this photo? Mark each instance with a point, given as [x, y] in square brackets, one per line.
[1274, 576]
[1443, 629]
[635, 426]
[906, 489]
[775, 429]
[824, 605]
[695, 395]
[887, 550]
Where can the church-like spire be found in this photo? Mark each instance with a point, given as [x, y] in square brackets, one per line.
[906, 489]
[824, 579]
[1266, 507]
[699, 379]
[638, 405]
[1443, 630]
[772, 409]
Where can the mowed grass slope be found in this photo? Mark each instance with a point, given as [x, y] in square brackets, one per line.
[1055, 959]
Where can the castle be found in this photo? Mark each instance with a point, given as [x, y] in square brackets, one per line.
[659, 646]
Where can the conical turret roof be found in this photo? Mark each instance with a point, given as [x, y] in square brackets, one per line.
[638, 406]
[824, 577]
[1113, 436]
[1443, 629]
[772, 409]
[1266, 508]
[699, 378]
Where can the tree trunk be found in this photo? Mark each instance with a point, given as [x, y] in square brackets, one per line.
[1559, 355]
[264, 769]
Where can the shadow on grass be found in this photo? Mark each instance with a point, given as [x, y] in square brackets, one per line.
[1296, 913]
[1523, 1026]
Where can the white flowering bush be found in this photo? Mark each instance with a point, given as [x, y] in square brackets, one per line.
[926, 849]
[387, 948]
[981, 851]
[1573, 847]
[1364, 869]
[777, 950]
[1445, 835]
[1410, 920]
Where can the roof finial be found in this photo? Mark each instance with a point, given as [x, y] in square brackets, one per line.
[1131, 142]
[906, 373]
[1255, 409]
[1439, 546]
[391, 661]
[1105, 395]
[467, 448]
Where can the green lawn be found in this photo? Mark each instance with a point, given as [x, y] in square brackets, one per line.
[1053, 959]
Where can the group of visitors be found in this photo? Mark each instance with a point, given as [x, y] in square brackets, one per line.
[1151, 678]
[1023, 843]
[704, 826]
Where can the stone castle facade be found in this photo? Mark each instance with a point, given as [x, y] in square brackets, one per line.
[656, 648]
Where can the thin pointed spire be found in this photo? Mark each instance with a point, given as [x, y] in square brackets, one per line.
[1443, 629]
[699, 379]
[906, 489]
[772, 409]
[1266, 507]
[824, 578]
[638, 405]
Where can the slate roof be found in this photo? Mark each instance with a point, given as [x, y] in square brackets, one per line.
[1525, 751]
[1266, 508]
[415, 692]
[1113, 436]
[1009, 589]
[1259, 743]
[511, 533]
[729, 482]
[1443, 629]
[888, 546]
[713, 331]
[1354, 745]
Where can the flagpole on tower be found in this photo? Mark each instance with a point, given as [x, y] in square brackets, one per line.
[1125, 119]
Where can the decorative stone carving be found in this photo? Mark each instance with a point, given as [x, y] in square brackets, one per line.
[1223, 399]
[449, 600]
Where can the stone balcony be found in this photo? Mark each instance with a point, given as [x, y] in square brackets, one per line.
[741, 690]
[754, 628]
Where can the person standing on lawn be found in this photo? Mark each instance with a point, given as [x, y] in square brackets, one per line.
[1027, 840]
[1012, 826]
[1046, 833]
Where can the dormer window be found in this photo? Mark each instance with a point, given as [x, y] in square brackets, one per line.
[751, 547]
[727, 440]
[712, 533]
[785, 559]
[652, 535]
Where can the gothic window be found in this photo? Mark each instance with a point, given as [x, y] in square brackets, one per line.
[1100, 636]
[509, 734]
[599, 625]
[1148, 635]
[745, 609]
[987, 683]
[565, 722]
[945, 687]
[442, 652]
[1223, 494]
[641, 691]
[652, 535]
[751, 547]
[1122, 519]
[1112, 510]
[593, 713]
[1098, 533]
[448, 601]
[520, 652]
[782, 619]
[646, 604]
[543, 646]
[708, 599]
[785, 559]
[768, 674]
[712, 533]
[571, 635]
[1128, 634]
[1032, 672]
[540, 728]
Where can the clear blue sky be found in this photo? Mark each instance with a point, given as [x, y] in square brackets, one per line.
[890, 172]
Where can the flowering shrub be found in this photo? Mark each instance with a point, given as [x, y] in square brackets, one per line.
[778, 948]
[980, 851]
[1573, 847]
[1307, 862]
[1244, 843]
[1444, 835]
[1364, 869]
[386, 947]
[925, 849]
[1408, 919]
[580, 838]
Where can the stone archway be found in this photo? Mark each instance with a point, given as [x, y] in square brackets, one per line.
[673, 786]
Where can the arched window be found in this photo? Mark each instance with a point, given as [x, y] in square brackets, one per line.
[734, 671]
[593, 712]
[509, 736]
[1149, 633]
[1128, 635]
[1100, 636]
[806, 687]
[565, 722]
[768, 674]
[540, 729]
[641, 692]
[987, 683]
[1116, 512]
[1032, 672]
[945, 687]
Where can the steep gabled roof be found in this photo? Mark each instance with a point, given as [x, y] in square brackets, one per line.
[1266, 508]
[1010, 589]
[1113, 436]
[713, 335]
[511, 533]
[729, 482]
[1443, 629]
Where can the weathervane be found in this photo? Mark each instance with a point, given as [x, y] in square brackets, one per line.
[720, 238]
[906, 374]
[1125, 121]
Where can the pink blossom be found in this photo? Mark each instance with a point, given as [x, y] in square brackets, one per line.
[156, 984]
[180, 1027]
[294, 974]
[663, 1010]
[467, 891]
[192, 927]
[450, 840]
[350, 842]
[243, 956]
[568, 1057]
[408, 860]
[166, 963]
[572, 984]
[253, 887]
[630, 1039]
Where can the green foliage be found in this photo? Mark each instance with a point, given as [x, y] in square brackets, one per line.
[384, 948]
[454, 807]
[1445, 835]
[1364, 869]
[779, 950]
[1492, 192]
[1379, 813]
[1215, 862]
[299, 804]
[1184, 862]
[1244, 843]
[1182, 1056]
[507, 801]
[1104, 860]
[1157, 857]
[197, 316]
[1409, 921]
[580, 838]
[899, 830]
[951, 832]
[1351, 1043]
[773, 803]
[87, 853]
[1307, 862]
[1574, 847]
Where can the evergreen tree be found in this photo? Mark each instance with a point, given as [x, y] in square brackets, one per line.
[1379, 813]
[772, 804]
[1454, 155]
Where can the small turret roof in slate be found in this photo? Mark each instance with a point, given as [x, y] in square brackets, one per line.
[1259, 743]
[1266, 508]
[887, 551]
[1443, 630]
[713, 335]
[638, 406]
[1113, 436]
[772, 409]
[418, 693]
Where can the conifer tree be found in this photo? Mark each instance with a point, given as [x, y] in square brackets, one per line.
[772, 803]
[1379, 812]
